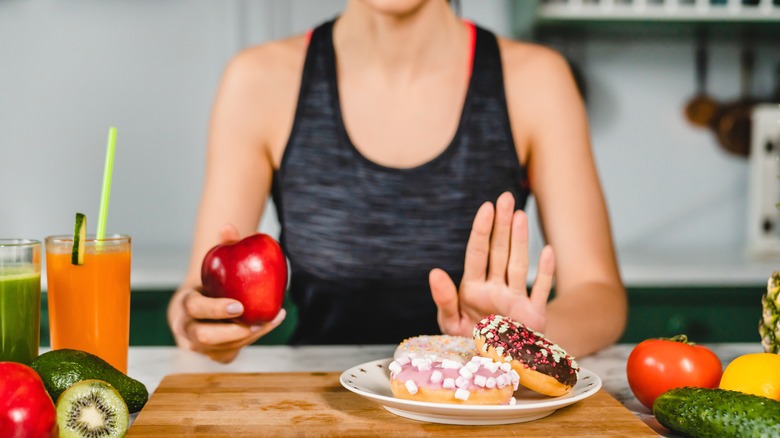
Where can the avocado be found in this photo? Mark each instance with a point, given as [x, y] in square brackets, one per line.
[60, 369]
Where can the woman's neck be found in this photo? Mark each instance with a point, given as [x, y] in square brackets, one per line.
[400, 45]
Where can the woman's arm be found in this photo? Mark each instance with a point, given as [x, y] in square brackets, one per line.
[247, 124]
[548, 116]
[550, 130]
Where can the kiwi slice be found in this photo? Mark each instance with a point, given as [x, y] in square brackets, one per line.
[92, 409]
[79, 240]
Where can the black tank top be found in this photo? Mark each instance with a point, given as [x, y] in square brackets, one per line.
[362, 238]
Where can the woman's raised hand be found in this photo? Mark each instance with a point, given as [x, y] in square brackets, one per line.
[205, 325]
[495, 274]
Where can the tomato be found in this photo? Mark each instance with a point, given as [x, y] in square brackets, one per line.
[658, 365]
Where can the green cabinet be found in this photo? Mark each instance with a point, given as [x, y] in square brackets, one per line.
[705, 314]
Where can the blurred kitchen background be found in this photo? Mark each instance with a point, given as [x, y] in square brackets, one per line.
[692, 207]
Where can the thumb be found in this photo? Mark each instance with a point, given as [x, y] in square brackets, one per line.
[228, 233]
[445, 295]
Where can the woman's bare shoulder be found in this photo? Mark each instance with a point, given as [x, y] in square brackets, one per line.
[538, 79]
[540, 91]
[532, 66]
[259, 90]
[270, 65]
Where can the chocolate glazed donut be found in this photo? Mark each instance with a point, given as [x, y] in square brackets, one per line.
[543, 366]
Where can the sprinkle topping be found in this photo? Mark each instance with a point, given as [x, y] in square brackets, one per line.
[513, 340]
[456, 348]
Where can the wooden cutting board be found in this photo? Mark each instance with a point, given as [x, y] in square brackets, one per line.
[315, 404]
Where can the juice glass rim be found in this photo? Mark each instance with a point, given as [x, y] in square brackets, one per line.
[63, 243]
[13, 242]
[67, 239]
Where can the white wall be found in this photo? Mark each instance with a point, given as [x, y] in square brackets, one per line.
[69, 69]
[669, 184]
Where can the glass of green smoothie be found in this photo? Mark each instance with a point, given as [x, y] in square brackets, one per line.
[20, 299]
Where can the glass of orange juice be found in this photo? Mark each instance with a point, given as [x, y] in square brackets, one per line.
[89, 304]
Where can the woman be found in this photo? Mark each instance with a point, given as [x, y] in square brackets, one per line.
[384, 137]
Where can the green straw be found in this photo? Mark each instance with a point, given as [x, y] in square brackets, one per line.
[106, 194]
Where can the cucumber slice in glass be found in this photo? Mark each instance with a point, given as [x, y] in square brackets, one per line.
[79, 240]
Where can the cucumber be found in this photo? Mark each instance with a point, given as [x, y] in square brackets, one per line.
[79, 240]
[701, 412]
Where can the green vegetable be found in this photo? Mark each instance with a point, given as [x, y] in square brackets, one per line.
[700, 412]
[60, 369]
[79, 240]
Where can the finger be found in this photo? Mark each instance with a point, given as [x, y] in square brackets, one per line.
[202, 307]
[223, 357]
[211, 335]
[258, 330]
[478, 246]
[544, 278]
[499, 242]
[228, 233]
[445, 295]
[517, 271]
[214, 337]
[263, 329]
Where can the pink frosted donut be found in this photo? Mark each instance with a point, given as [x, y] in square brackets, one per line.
[477, 382]
[542, 365]
[458, 348]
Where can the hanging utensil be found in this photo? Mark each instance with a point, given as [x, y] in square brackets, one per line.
[701, 108]
[731, 123]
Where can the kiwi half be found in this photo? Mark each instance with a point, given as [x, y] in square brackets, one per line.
[92, 409]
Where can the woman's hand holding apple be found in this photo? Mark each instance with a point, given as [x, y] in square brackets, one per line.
[220, 325]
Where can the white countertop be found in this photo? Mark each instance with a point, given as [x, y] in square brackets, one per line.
[151, 364]
[712, 267]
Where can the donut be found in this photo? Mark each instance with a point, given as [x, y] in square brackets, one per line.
[458, 348]
[477, 382]
[542, 365]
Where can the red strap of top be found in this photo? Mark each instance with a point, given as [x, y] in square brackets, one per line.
[472, 43]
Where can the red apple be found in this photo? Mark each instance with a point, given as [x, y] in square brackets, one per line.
[252, 271]
[26, 410]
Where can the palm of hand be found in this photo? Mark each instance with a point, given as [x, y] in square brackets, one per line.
[495, 274]
[479, 299]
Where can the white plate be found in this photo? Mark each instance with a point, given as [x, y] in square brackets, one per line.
[372, 381]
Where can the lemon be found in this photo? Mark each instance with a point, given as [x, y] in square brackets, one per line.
[754, 373]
